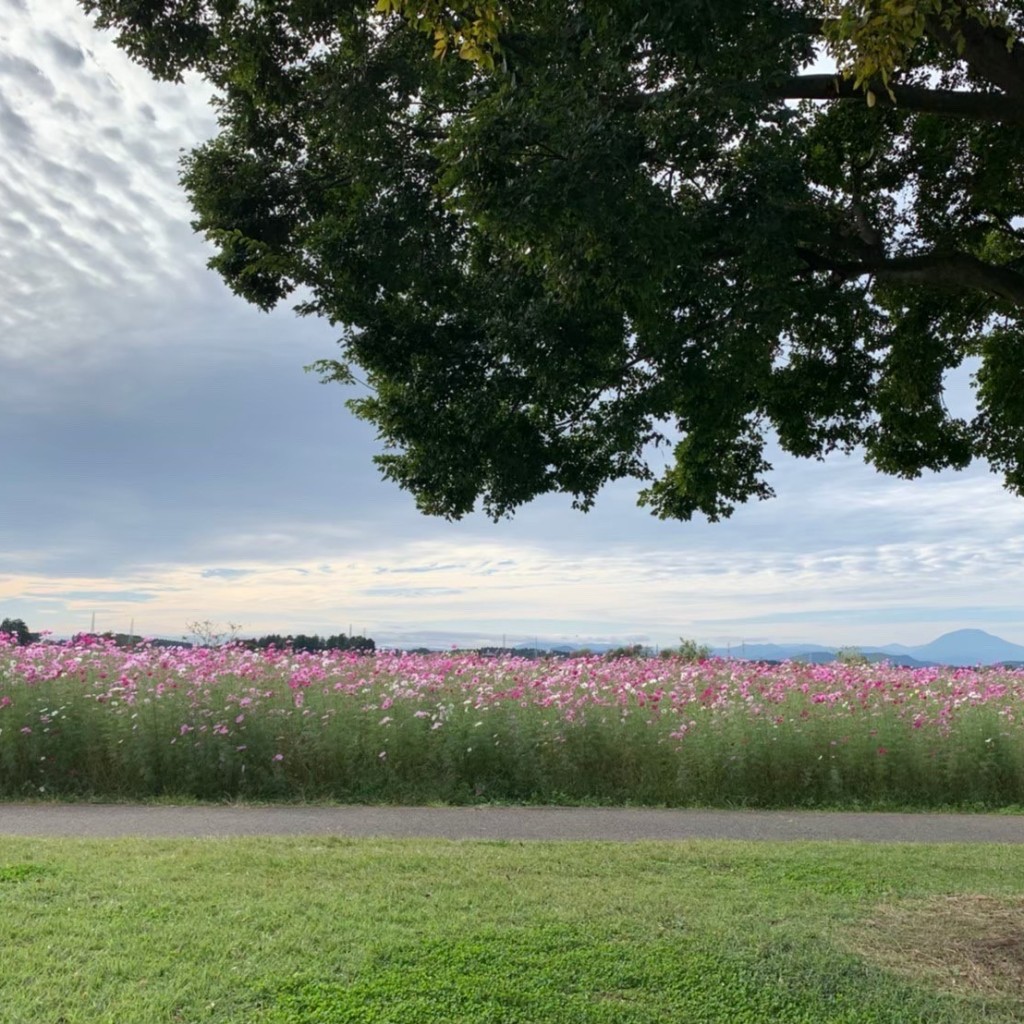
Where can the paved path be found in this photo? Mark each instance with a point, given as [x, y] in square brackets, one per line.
[514, 823]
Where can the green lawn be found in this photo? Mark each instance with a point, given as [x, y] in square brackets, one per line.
[333, 931]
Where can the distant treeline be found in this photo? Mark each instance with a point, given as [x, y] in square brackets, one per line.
[310, 644]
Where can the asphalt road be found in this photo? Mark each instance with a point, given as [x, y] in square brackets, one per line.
[501, 823]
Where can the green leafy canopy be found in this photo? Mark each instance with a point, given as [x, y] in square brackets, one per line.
[618, 227]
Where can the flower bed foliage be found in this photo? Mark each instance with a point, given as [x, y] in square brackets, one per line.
[90, 720]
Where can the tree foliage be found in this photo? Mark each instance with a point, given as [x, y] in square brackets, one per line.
[851, 656]
[472, 31]
[314, 644]
[624, 240]
[20, 631]
[688, 650]
[873, 39]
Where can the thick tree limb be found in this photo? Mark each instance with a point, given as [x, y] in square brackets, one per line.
[976, 106]
[985, 51]
[959, 270]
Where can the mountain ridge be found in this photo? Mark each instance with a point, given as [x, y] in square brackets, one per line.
[960, 647]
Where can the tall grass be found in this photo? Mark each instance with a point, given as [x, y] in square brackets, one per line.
[93, 721]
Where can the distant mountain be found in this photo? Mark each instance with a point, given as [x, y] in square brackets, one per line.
[961, 647]
[898, 659]
[873, 655]
[969, 647]
[564, 646]
[775, 652]
[895, 649]
[813, 654]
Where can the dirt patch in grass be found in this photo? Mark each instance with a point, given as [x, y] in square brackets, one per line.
[966, 943]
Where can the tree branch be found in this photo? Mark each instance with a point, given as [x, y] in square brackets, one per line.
[977, 106]
[984, 50]
[959, 271]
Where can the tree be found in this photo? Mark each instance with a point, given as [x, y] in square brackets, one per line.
[852, 656]
[207, 633]
[626, 651]
[644, 227]
[688, 650]
[18, 629]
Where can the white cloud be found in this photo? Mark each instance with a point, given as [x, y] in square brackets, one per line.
[490, 588]
[97, 230]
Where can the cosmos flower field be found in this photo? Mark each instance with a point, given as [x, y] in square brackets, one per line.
[88, 720]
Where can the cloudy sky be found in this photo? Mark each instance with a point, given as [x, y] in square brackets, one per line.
[165, 460]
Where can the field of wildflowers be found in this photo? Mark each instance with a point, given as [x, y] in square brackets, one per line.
[92, 721]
